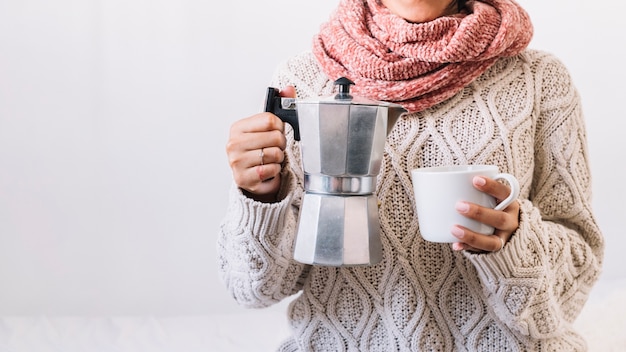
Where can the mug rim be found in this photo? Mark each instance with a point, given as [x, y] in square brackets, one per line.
[456, 168]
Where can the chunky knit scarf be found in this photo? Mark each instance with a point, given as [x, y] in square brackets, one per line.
[418, 64]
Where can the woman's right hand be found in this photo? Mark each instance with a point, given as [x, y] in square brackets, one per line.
[255, 150]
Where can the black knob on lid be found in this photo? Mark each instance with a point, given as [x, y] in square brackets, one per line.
[344, 88]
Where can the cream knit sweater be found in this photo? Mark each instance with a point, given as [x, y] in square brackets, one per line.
[523, 115]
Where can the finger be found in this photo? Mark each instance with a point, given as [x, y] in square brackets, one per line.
[240, 147]
[490, 186]
[262, 122]
[503, 220]
[265, 172]
[288, 92]
[477, 241]
[460, 246]
[262, 156]
[262, 178]
[270, 155]
[245, 166]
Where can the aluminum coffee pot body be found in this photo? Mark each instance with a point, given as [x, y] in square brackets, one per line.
[342, 140]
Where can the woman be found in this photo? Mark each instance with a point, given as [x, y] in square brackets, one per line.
[475, 95]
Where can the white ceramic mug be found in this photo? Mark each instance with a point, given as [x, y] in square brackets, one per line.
[438, 189]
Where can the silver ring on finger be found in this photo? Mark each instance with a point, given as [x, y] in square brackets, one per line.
[262, 155]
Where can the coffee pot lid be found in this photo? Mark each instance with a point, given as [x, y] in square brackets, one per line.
[343, 96]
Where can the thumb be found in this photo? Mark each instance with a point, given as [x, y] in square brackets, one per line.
[288, 92]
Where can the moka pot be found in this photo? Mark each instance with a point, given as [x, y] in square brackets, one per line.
[342, 141]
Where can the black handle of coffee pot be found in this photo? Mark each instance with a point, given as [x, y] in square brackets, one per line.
[290, 116]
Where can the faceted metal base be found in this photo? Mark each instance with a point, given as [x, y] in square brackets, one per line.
[338, 230]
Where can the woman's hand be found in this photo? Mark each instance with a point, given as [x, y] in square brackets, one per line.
[255, 150]
[504, 221]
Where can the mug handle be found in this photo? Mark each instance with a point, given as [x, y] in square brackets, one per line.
[513, 184]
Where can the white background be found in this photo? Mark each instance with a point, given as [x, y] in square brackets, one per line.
[113, 120]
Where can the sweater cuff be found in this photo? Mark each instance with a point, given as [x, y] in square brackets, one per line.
[256, 216]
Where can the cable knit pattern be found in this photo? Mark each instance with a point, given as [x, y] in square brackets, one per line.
[523, 115]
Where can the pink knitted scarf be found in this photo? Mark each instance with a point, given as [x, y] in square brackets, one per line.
[418, 64]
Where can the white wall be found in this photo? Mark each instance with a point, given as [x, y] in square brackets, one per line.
[113, 120]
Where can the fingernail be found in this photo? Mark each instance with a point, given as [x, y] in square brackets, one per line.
[462, 207]
[458, 232]
[479, 181]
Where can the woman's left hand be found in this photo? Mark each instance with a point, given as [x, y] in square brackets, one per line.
[504, 221]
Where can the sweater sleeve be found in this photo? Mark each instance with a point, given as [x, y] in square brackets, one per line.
[254, 246]
[539, 282]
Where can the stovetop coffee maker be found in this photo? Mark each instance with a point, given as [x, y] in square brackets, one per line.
[342, 141]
